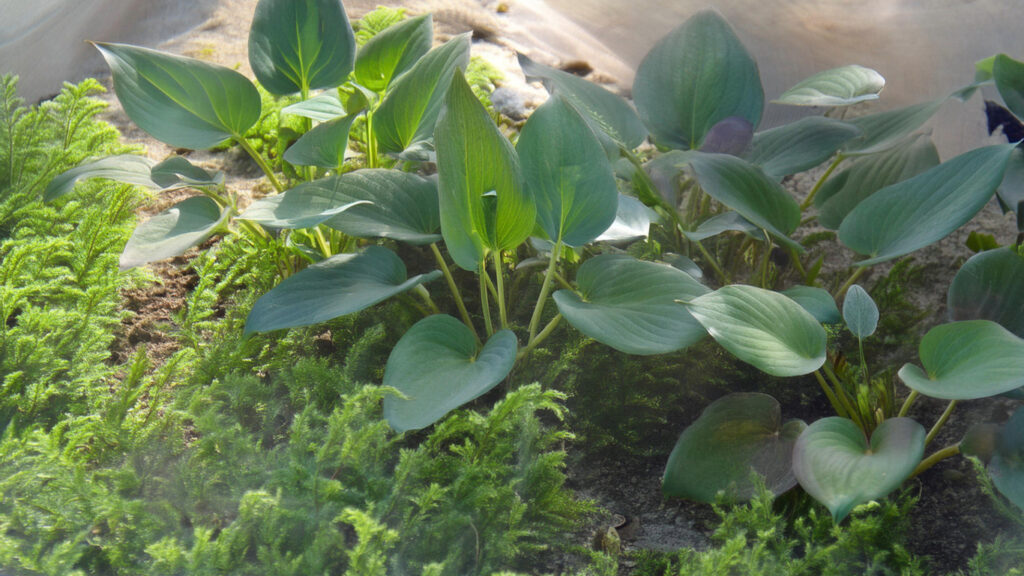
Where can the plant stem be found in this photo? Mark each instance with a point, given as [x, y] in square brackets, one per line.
[843, 397]
[839, 408]
[325, 246]
[261, 162]
[940, 422]
[499, 280]
[484, 303]
[947, 452]
[564, 283]
[849, 281]
[372, 161]
[459, 303]
[545, 288]
[907, 403]
[422, 292]
[863, 362]
[540, 337]
[821, 181]
[764, 261]
[713, 262]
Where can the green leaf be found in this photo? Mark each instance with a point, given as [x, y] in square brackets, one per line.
[306, 205]
[323, 146]
[967, 360]
[301, 45]
[408, 113]
[393, 51]
[1006, 467]
[799, 145]
[837, 466]
[924, 209]
[841, 86]
[182, 102]
[401, 206]
[720, 223]
[127, 168]
[990, 286]
[178, 172]
[1011, 189]
[605, 112]
[817, 301]
[567, 173]
[438, 367]
[173, 231]
[632, 222]
[763, 328]
[734, 436]
[696, 76]
[983, 69]
[860, 312]
[322, 107]
[750, 192]
[868, 174]
[883, 130]
[629, 304]
[1009, 76]
[475, 160]
[342, 284]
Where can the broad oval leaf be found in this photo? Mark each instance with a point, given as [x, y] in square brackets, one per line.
[301, 45]
[629, 304]
[1009, 76]
[1006, 467]
[438, 367]
[924, 209]
[180, 101]
[860, 312]
[883, 130]
[838, 467]
[868, 174]
[409, 112]
[763, 328]
[632, 222]
[568, 174]
[322, 107]
[1011, 189]
[736, 435]
[747, 190]
[799, 145]
[127, 168]
[817, 301]
[324, 145]
[990, 286]
[173, 231]
[967, 360]
[484, 205]
[342, 284]
[304, 206]
[393, 51]
[400, 206]
[720, 223]
[605, 112]
[696, 76]
[841, 86]
[178, 172]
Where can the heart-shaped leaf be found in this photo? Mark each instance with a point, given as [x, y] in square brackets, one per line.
[393, 51]
[868, 174]
[342, 284]
[400, 206]
[173, 231]
[860, 312]
[322, 107]
[838, 467]
[568, 174]
[629, 304]
[324, 145]
[180, 101]
[990, 286]
[632, 222]
[693, 78]
[301, 45]
[734, 436]
[1006, 467]
[127, 168]
[924, 209]
[817, 301]
[967, 360]
[841, 86]
[306, 205]
[747, 190]
[799, 145]
[484, 205]
[605, 112]
[408, 113]
[1009, 76]
[763, 328]
[883, 130]
[438, 367]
